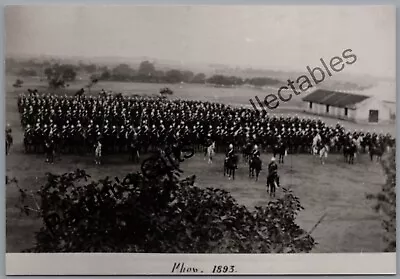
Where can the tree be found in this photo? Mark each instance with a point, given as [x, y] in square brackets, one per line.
[59, 74]
[68, 72]
[173, 76]
[93, 81]
[166, 91]
[199, 78]
[158, 76]
[386, 201]
[187, 76]
[146, 68]
[105, 75]
[122, 72]
[18, 83]
[90, 68]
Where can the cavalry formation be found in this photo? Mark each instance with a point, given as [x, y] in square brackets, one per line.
[109, 124]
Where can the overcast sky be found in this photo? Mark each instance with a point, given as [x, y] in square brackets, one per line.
[272, 37]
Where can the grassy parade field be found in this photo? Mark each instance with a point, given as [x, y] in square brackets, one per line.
[337, 189]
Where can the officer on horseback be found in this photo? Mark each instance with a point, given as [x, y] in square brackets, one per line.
[272, 175]
[273, 169]
[256, 152]
[8, 129]
[230, 152]
[9, 138]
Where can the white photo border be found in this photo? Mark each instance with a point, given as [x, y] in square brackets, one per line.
[162, 264]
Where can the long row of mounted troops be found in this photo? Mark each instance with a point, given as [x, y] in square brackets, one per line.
[73, 124]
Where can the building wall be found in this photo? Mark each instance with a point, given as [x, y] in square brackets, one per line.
[392, 109]
[363, 109]
[335, 112]
[360, 113]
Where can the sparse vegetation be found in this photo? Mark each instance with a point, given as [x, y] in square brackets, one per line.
[386, 201]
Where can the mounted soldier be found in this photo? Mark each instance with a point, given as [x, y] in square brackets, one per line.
[230, 162]
[9, 138]
[273, 177]
[255, 163]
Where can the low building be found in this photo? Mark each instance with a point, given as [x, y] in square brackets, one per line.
[366, 106]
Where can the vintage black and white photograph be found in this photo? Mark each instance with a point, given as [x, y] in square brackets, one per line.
[200, 129]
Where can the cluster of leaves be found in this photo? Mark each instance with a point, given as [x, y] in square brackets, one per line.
[166, 91]
[161, 215]
[59, 74]
[386, 200]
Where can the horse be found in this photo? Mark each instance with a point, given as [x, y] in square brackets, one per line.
[255, 164]
[335, 144]
[359, 143]
[134, 152]
[323, 153]
[230, 166]
[49, 151]
[279, 148]
[211, 152]
[376, 150]
[272, 184]
[349, 151]
[9, 142]
[97, 153]
[246, 152]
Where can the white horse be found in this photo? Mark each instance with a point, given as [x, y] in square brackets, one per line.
[358, 143]
[314, 148]
[211, 152]
[334, 142]
[323, 153]
[97, 153]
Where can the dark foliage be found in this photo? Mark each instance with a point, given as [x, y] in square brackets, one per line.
[18, 83]
[166, 91]
[59, 74]
[386, 201]
[225, 80]
[162, 215]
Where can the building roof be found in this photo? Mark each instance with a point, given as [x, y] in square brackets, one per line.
[335, 98]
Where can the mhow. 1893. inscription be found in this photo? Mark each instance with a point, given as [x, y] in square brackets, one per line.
[181, 267]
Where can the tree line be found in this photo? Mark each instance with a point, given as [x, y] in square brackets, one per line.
[58, 74]
[147, 72]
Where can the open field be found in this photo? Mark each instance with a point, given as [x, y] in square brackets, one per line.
[336, 188]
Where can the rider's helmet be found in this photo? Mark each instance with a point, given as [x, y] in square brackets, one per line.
[231, 146]
[273, 159]
[255, 147]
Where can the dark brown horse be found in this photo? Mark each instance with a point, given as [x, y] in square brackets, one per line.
[9, 142]
[255, 165]
[272, 184]
[230, 166]
[376, 150]
[279, 149]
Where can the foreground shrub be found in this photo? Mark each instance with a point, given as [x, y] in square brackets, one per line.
[386, 200]
[161, 215]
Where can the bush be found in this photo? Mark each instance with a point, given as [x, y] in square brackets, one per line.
[386, 201]
[161, 215]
